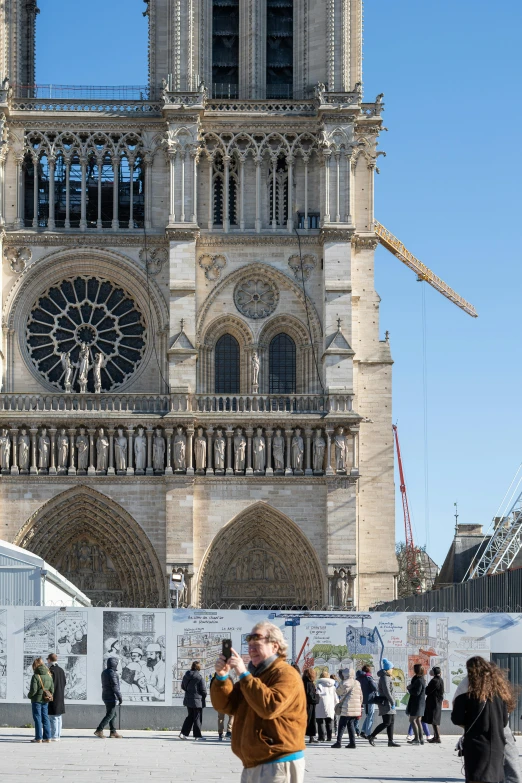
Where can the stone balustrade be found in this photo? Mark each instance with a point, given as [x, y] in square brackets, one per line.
[151, 450]
[176, 404]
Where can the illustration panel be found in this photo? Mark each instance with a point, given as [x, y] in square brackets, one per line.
[3, 654]
[137, 640]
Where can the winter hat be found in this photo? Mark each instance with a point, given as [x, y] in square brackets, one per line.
[387, 665]
[345, 673]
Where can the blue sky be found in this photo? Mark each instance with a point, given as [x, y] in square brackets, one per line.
[449, 188]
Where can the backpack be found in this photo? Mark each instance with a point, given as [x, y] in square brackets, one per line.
[46, 695]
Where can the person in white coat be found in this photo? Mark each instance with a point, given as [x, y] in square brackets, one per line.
[351, 698]
[325, 710]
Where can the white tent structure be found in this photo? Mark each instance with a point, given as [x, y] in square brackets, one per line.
[27, 580]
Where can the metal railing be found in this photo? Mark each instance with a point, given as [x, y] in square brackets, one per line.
[77, 92]
[225, 91]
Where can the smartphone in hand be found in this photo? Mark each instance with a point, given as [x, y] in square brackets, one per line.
[226, 648]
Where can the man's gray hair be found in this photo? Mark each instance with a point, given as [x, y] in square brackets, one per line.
[274, 635]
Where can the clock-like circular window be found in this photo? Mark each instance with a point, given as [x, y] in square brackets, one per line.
[92, 312]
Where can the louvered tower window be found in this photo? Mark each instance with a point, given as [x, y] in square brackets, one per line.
[279, 48]
[225, 48]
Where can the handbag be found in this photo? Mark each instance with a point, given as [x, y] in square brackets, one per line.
[46, 695]
[459, 747]
[339, 706]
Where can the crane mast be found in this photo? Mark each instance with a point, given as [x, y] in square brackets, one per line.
[412, 567]
[503, 546]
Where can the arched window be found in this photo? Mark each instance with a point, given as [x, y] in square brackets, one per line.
[227, 365]
[282, 365]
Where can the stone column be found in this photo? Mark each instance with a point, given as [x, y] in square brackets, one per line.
[172, 161]
[168, 468]
[190, 451]
[36, 191]
[290, 222]
[52, 465]
[327, 156]
[50, 222]
[14, 450]
[249, 433]
[67, 193]
[288, 470]
[308, 469]
[226, 190]
[33, 469]
[269, 469]
[147, 161]
[130, 451]
[328, 432]
[110, 468]
[195, 161]
[210, 443]
[72, 453]
[355, 451]
[150, 469]
[19, 222]
[115, 192]
[258, 195]
[230, 450]
[91, 470]
[83, 201]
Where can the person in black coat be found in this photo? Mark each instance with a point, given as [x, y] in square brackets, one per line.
[110, 694]
[56, 707]
[417, 702]
[312, 700]
[434, 699]
[195, 694]
[483, 713]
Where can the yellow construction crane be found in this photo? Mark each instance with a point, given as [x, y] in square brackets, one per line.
[395, 246]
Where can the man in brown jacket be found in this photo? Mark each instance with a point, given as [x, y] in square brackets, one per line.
[269, 707]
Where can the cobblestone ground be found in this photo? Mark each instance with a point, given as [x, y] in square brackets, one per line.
[161, 756]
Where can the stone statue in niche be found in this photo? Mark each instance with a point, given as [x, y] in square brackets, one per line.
[140, 452]
[340, 451]
[84, 367]
[24, 445]
[180, 451]
[63, 450]
[278, 450]
[158, 452]
[120, 451]
[99, 362]
[319, 448]
[297, 451]
[341, 588]
[256, 364]
[102, 452]
[259, 444]
[68, 372]
[5, 450]
[82, 446]
[200, 448]
[239, 451]
[219, 452]
[44, 450]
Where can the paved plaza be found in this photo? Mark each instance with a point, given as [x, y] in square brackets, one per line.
[161, 756]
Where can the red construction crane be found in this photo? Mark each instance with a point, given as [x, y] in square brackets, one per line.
[412, 566]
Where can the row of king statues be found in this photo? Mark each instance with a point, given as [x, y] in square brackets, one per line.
[157, 451]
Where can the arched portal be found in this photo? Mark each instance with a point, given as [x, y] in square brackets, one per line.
[261, 558]
[98, 546]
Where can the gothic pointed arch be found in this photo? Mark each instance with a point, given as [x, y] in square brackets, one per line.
[98, 546]
[261, 557]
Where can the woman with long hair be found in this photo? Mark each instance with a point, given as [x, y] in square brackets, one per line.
[417, 702]
[312, 699]
[41, 684]
[483, 713]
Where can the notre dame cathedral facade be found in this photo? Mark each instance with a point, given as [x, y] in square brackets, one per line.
[192, 378]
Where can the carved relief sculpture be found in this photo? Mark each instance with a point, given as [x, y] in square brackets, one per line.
[180, 451]
[340, 451]
[158, 452]
[239, 451]
[5, 450]
[82, 447]
[297, 451]
[200, 448]
[219, 452]
[278, 450]
[319, 448]
[102, 452]
[120, 451]
[259, 452]
[140, 451]
[63, 450]
[24, 445]
[44, 450]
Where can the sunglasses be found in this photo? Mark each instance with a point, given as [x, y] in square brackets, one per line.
[256, 637]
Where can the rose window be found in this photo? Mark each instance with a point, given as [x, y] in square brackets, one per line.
[89, 311]
[256, 298]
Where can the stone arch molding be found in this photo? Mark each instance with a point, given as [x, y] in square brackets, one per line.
[99, 546]
[56, 266]
[261, 557]
[262, 270]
